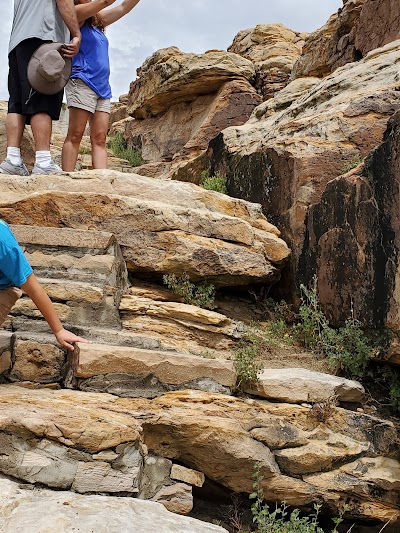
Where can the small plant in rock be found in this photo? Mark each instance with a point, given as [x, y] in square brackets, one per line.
[246, 362]
[353, 163]
[322, 411]
[281, 520]
[119, 148]
[347, 348]
[215, 183]
[201, 294]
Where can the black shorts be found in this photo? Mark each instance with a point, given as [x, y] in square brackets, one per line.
[20, 90]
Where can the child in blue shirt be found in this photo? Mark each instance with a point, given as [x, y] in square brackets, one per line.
[15, 274]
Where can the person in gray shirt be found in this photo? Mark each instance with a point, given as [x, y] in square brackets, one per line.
[35, 23]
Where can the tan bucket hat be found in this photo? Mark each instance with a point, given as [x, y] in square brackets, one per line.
[48, 71]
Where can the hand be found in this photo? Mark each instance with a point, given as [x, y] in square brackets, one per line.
[71, 49]
[65, 338]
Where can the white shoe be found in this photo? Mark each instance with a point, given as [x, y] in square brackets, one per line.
[53, 168]
[6, 167]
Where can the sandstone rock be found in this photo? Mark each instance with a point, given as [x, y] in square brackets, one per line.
[273, 49]
[5, 351]
[202, 431]
[190, 125]
[286, 159]
[297, 385]
[358, 28]
[168, 367]
[157, 235]
[319, 456]
[277, 434]
[331, 46]
[170, 77]
[177, 498]
[34, 511]
[156, 474]
[37, 361]
[187, 475]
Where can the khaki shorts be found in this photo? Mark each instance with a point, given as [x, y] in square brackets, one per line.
[82, 96]
[8, 297]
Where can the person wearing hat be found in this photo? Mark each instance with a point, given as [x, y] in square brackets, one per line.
[15, 274]
[88, 91]
[36, 96]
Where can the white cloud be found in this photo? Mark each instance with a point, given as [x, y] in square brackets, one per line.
[192, 25]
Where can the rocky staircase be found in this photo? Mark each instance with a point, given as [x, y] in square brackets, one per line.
[85, 275]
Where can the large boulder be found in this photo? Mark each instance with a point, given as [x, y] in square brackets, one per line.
[91, 442]
[289, 150]
[171, 77]
[163, 227]
[273, 48]
[356, 29]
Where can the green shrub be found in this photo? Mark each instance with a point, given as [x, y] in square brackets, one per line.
[347, 348]
[215, 183]
[84, 150]
[202, 294]
[353, 163]
[281, 520]
[245, 361]
[119, 148]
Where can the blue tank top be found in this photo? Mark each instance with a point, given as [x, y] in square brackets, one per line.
[91, 64]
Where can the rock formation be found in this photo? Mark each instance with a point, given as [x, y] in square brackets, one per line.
[296, 143]
[273, 49]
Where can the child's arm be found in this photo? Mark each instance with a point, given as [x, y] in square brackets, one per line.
[39, 297]
[112, 15]
[85, 11]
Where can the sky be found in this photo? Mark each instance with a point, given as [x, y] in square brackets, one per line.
[191, 25]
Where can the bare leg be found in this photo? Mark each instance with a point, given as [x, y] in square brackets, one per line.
[77, 123]
[15, 125]
[41, 130]
[98, 135]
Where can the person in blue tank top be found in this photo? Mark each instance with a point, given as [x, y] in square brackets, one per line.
[88, 91]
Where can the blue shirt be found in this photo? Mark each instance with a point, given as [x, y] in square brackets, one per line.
[14, 267]
[91, 64]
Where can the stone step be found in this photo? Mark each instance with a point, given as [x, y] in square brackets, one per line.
[83, 272]
[134, 372]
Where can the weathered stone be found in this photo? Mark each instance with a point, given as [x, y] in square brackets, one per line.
[206, 432]
[158, 235]
[170, 77]
[318, 456]
[6, 339]
[187, 475]
[37, 361]
[278, 434]
[177, 498]
[168, 367]
[273, 49]
[297, 385]
[286, 159]
[190, 126]
[156, 474]
[332, 45]
[34, 511]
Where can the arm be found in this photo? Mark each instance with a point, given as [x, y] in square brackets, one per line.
[85, 11]
[67, 11]
[39, 297]
[112, 15]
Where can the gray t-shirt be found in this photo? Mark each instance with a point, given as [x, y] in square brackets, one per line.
[37, 18]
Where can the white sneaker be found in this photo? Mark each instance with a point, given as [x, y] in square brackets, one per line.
[53, 168]
[6, 167]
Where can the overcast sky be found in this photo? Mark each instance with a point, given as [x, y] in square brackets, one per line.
[192, 25]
